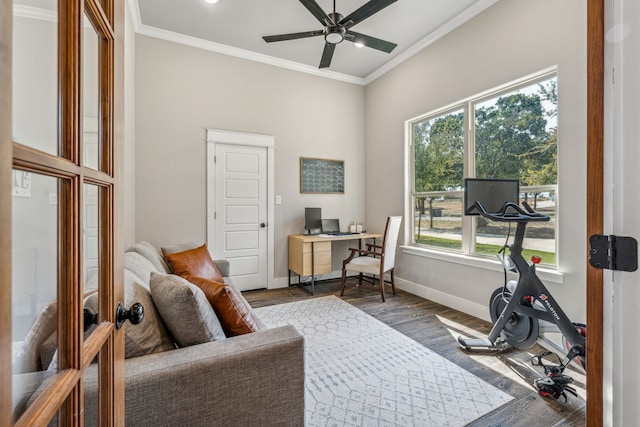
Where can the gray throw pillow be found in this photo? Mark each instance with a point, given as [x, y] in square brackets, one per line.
[185, 310]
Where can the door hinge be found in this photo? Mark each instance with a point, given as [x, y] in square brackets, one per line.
[613, 252]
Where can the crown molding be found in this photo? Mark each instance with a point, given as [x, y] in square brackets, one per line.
[134, 12]
[242, 53]
[451, 25]
[37, 13]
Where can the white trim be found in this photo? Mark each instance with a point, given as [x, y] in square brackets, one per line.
[240, 138]
[469, 307]
[38, 13]
[548, 276]
[216, 136]
[134, 12]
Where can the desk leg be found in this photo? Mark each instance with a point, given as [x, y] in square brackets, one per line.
[313, 270]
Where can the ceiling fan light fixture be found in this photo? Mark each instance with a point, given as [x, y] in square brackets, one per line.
[334, 35]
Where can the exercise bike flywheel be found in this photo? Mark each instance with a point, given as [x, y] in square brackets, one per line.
[520, 331]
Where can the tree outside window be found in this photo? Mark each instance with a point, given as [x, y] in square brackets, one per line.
[512, 135]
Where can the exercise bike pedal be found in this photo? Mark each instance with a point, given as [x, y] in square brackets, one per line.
[471, 343]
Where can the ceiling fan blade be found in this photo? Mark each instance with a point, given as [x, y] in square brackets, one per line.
[292, 36]
[371, 42]
[317, 11]
[327, 55]
[364, 12]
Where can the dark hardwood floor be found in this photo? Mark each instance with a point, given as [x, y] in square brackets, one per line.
[437, 327]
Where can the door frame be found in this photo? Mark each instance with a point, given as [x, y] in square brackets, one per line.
[595, 207]
[217, 136]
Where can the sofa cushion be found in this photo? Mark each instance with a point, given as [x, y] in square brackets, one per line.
[151, 253]
[185, 310]
[150, 335]
[140, 266]
[194, 262]
[27, 358]
[233, 310]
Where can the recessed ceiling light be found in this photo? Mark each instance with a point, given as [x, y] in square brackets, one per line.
[212, 1]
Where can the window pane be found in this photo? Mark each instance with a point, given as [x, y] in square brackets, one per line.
[90, 97]
[540, 237]
[516, 135]
[90, 237]
[438, 221]
[34, 282]
[439, 155]
[35, 76]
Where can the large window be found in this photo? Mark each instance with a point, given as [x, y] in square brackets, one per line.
[509, 133]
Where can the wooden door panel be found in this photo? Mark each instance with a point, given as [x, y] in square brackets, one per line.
[65, 218]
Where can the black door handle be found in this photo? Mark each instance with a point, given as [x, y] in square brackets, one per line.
[263, 225]
[135, 314]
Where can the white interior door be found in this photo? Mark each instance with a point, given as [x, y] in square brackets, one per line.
[240, 217]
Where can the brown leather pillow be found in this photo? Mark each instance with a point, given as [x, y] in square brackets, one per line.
[194, 262]
[234, 313]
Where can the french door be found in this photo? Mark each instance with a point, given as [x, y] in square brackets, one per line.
[60, 211]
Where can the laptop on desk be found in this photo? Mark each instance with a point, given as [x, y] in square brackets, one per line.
[332, 228]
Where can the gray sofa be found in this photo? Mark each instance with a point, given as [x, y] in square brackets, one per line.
[246, 380]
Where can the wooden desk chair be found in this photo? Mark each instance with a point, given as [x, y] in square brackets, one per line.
[376, 259]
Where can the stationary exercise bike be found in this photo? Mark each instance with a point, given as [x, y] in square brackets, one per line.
[522, 310]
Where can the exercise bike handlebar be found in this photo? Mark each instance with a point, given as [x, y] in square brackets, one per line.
[511, 212]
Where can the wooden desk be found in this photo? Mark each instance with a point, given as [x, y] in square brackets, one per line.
[311, 255]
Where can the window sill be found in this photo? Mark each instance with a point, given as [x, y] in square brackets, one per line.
[547, 275]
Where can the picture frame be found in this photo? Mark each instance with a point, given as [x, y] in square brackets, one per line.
[321, 176]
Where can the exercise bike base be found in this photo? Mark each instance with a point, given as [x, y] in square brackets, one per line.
[471, 343]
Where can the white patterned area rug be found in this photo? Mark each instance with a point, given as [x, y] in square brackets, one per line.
[361, 372]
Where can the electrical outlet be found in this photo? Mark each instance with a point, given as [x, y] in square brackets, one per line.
[278, 200]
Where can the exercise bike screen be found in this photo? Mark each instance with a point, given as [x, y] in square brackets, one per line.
[491, 193]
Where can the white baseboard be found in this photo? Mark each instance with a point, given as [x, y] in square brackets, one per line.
[472, 308]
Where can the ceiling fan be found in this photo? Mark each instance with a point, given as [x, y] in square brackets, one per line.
[337, 28]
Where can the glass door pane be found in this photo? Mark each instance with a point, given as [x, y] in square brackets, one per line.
[35, 75]
[90, 97]
[34, 283]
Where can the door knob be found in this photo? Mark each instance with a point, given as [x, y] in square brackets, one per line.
[263, 225]
[135, 314]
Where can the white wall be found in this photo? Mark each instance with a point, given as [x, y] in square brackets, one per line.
[508, 41]
[129, 131]
[181, 91]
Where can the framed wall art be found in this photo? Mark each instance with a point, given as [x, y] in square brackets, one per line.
[321, 176]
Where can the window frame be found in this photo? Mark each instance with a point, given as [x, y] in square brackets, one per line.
[468, 107]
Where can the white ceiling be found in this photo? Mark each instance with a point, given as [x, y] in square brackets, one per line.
[236, 27]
